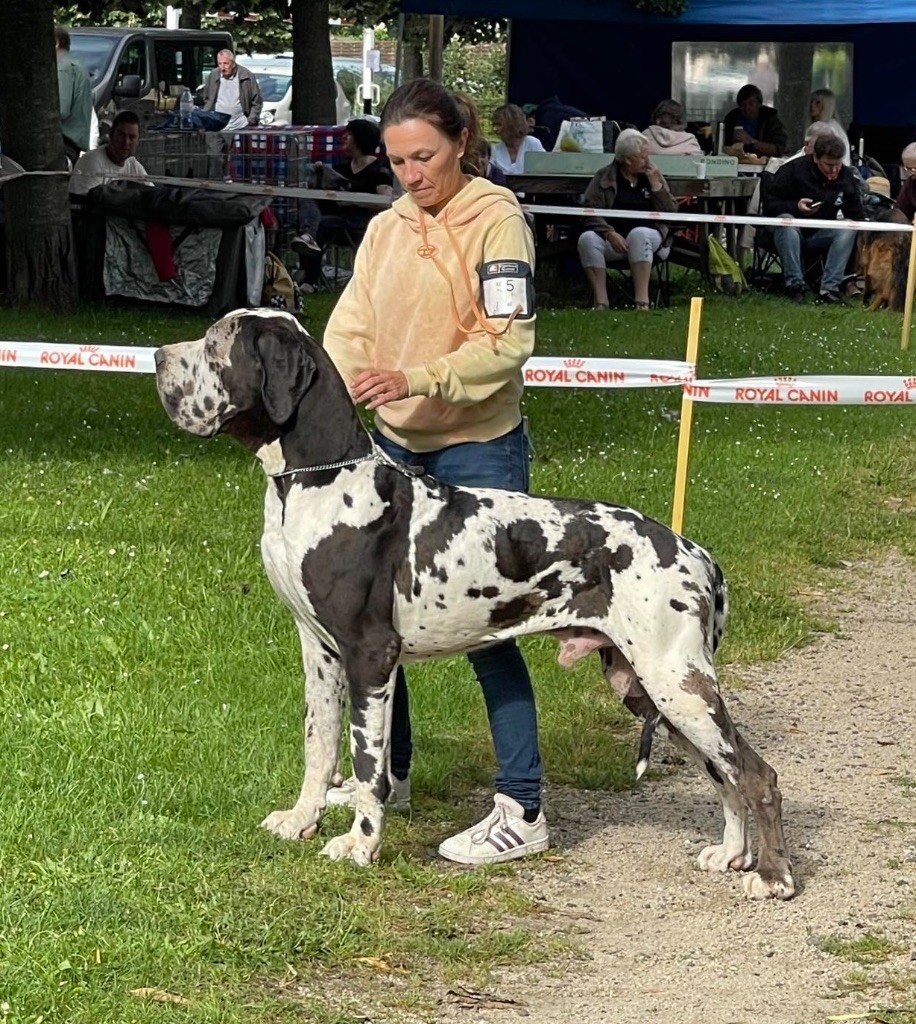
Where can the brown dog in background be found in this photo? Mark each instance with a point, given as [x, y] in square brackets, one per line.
[883, 264]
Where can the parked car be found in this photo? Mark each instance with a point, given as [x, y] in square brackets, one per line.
[144, 69]
[275, 78]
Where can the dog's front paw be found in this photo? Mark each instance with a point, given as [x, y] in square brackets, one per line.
[296, 823]
[724, 858]
[760, 886]
[352, 847]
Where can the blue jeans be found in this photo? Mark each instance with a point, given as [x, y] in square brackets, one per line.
[838, 244]
[500, 668]
[201, 120]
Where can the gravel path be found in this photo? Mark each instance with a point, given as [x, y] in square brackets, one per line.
[666, 942]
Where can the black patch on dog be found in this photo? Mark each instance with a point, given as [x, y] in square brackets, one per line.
[658, 535]
[678, 606]
[457, 508]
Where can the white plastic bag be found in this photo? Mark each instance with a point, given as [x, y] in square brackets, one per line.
[581, 135]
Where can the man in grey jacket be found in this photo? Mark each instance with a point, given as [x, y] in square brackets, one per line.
[232, 93]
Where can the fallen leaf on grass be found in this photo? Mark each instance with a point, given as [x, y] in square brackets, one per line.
[160, 996]
[469, 999]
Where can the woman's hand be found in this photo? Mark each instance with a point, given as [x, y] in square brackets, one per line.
[617, 242]
[378, 387]
[655, 177]
[742, 136]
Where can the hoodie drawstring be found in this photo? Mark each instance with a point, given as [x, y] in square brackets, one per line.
[430, 252]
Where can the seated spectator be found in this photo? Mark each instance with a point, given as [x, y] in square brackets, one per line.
[820, 187]
[756, 127]
[905, 206]
[487, 169]
[748, 232]
[822, 107]
[116, 160]
[511, 125]
[629, 183]
[668, 131]
[232, 100]
[549, 116]
[320, 223]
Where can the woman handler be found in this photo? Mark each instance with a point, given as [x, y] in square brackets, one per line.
[431, 334]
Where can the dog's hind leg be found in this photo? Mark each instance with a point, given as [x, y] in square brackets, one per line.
[702, 727]
[772, 874]
[323, 717]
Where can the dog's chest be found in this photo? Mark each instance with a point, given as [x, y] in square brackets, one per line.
[306, 521]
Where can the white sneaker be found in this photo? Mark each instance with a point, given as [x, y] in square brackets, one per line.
[304, 243]
[503, 835]
[344, 795]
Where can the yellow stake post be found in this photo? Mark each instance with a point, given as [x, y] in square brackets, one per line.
[908, 305]
[683, 441]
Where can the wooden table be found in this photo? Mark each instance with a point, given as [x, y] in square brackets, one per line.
[714, 195]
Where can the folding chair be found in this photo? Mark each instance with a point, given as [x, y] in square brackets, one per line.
[337, 259]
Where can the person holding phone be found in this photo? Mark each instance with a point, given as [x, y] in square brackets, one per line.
[818, 187]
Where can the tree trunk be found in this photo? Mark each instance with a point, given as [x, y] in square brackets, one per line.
[414, 39]
[314, 91]
[41, 269]
[191, 15]
[795, 63]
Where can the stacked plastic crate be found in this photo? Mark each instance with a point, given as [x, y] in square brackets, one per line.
[282, 157]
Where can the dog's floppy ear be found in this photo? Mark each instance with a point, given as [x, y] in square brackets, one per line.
[288, 371]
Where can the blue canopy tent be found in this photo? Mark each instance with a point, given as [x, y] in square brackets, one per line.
[605, 56]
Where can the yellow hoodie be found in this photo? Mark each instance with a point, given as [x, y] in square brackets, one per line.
[410, 306]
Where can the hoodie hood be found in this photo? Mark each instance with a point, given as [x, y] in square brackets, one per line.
[671, 140]
[467, 205]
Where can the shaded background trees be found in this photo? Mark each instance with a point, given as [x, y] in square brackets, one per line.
[40, 266]
[39, 252]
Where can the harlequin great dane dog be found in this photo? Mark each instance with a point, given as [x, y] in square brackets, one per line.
[381, 566]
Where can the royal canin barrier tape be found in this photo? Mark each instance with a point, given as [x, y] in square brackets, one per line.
[570, 372]
[841, 390]
[545, 371]
[50, 355]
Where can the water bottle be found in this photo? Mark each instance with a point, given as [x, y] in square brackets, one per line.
[185, 106]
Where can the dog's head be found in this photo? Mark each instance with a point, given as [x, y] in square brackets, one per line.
[251, 369]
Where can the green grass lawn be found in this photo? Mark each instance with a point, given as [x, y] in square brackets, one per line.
[153, 705]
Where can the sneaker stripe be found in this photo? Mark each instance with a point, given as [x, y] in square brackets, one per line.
[515, 836]
[498, 843]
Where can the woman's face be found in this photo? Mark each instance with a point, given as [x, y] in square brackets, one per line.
[508, 133]
[816, 108]
[426, 162]
[638, 162]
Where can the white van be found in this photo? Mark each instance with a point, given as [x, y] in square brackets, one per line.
[275, 80]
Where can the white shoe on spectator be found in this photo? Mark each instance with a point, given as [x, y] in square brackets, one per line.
[344, 795]
[502, 835]
[304, 243]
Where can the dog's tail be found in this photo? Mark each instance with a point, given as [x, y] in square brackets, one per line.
[645, 742]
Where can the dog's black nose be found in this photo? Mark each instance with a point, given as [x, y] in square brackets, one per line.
[158, 357]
